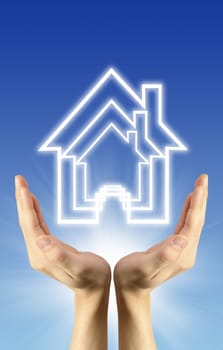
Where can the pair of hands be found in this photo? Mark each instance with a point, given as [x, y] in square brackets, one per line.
[87, 272]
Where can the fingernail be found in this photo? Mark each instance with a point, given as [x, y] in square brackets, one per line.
[180, 242]
[44, 243]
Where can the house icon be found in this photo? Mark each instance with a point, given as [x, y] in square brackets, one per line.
[105, 148]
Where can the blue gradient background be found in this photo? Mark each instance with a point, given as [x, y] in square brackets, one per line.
[48, 58]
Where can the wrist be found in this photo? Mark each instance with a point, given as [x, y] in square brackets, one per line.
[91, 307]
[92, 299]
[131, 300]
[134, 316]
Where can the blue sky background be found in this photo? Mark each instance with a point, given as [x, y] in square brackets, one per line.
[49, 55]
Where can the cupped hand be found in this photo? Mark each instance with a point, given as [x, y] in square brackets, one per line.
[144, 271]
[77, 270]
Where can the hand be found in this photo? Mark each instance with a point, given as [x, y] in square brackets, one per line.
[147, 270]
[77, 270]
[85, 273]
[137, 274]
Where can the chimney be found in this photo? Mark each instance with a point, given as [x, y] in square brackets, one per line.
[153, 95]
[141, 122]
[132, 138]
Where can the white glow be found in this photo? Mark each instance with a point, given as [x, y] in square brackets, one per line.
[93, 205]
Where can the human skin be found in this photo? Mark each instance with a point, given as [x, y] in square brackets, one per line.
[87, 274]
[137, 274]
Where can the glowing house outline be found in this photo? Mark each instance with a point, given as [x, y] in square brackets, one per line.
[108, 190]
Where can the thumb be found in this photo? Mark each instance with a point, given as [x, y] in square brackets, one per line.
[59, 254]
[164, 254]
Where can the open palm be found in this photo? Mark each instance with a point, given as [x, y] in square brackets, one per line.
[146, 270]
[77, 270]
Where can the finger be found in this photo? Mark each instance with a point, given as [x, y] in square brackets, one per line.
[205, 196]
[202, 180]
[19, 182]
[39, 214]
[204, 208]
[183, 214]
[29, 219]
[193, 221]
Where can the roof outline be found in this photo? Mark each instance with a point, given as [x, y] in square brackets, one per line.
[112, 73]
[112, 126]
[107, 106]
